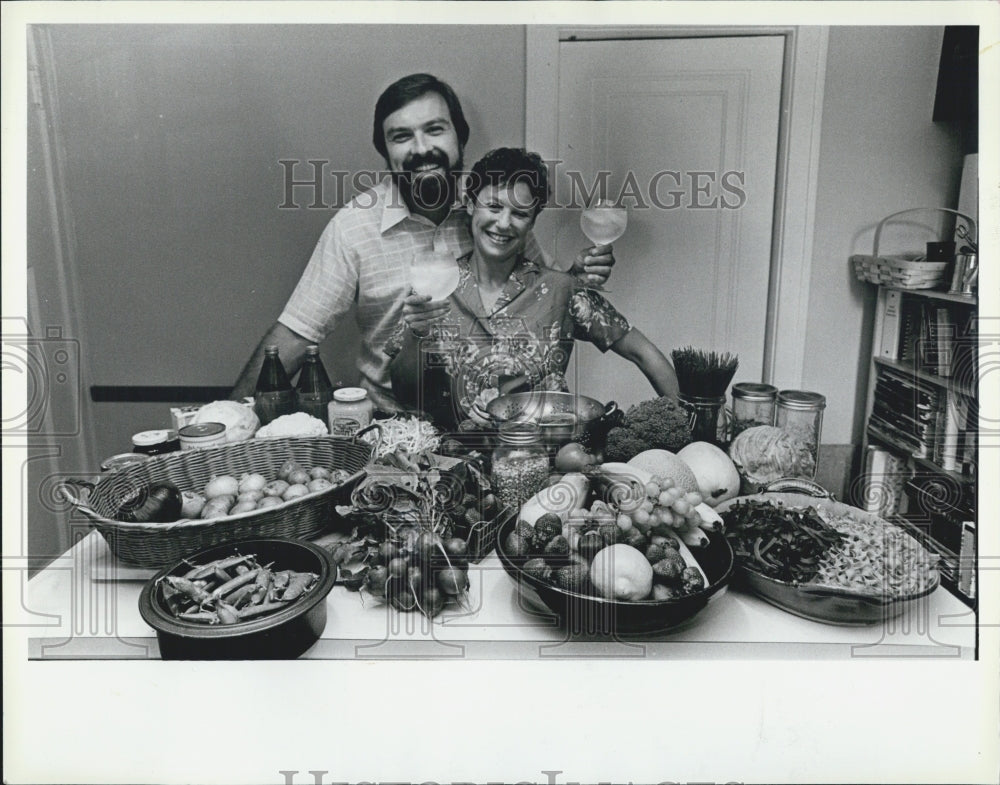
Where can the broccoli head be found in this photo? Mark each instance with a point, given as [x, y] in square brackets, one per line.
[658, 424]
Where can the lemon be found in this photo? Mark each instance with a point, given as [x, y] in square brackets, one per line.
[621, 572]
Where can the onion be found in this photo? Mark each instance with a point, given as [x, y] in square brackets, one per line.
[223, 485]
[294, 492]
[191, 504]
[319, 484]
[298, 477]
[250, 496]
[239, 507]
[217, 507]
[275, 488]
[319, 473]
[269, 501]
[287, 468]
[252, 482]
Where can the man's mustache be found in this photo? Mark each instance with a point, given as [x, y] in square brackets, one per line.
[432, 157]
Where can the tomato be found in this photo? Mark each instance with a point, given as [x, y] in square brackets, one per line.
[572, 457]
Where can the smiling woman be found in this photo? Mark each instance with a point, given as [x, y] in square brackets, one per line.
[512, 323]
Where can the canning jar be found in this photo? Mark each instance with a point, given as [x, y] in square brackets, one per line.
[520, 463]
[350, 410]
[800, 414]
[753, 404]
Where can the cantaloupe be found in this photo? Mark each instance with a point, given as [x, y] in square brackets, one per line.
[716, 474]
[663, 463]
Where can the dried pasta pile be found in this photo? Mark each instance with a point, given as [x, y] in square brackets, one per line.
[875, 559]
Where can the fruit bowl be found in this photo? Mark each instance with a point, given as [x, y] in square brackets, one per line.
[283, 635]
[589, 614]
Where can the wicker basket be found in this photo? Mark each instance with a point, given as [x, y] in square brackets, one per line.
[899, 271]
[158, 544]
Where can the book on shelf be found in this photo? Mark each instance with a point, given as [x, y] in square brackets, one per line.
[885, 480]
[937, 339]
[891, 325]
[967, 560]
[911, 317]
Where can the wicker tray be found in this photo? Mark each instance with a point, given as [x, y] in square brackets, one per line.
[157, 544]
[901, 271]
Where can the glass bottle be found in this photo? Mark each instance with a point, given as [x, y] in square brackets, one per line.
[274, 394]
[520, 463]
[314, 391]
[800, 414]
[753, 404]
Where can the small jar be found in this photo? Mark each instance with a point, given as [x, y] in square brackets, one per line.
[350, 410]
[203, 434]
[753, 404]
[520, 463]
[800, 414]
[120, 461]
[705, 417]
[156, 442]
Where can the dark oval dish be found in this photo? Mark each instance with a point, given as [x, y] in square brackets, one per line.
[283, 635]
[588, 614]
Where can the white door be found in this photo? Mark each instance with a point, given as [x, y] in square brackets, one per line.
[686, 131]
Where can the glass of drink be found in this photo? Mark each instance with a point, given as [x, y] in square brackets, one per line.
[603, 222]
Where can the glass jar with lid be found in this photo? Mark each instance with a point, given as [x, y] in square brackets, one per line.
[753, 404]
[156, 442]
[800, 414]
[520, 463]
[350, 410]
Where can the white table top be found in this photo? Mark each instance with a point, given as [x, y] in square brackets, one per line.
[85, 606]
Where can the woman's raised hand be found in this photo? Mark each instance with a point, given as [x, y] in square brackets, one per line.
[420, 312]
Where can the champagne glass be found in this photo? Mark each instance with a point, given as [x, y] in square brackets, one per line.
[603, 222]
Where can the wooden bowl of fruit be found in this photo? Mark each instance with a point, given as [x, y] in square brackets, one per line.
[577, 550]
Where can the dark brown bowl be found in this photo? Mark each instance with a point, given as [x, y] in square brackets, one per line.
[588, 614]
[283, 635]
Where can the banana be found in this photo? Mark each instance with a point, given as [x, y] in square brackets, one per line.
[569, 494]
[710, 519]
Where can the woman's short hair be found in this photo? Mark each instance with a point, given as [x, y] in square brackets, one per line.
[509, 165]
[410, 88]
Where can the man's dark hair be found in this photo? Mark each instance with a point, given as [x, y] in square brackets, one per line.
[507, 166]
[410, 88]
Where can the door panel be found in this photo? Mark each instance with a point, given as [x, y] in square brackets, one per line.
[686, 131]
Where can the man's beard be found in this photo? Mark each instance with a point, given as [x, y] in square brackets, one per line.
[429, 191]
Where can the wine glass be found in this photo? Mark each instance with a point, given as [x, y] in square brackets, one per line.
[603, 222]
[435, 273]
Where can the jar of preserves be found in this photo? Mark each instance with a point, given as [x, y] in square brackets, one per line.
[350, 410]
[203, 434]
[753, 404]
[156, 442]
[520, 463]
[800, 414]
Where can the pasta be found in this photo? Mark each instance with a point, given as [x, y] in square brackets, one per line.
[875, 557]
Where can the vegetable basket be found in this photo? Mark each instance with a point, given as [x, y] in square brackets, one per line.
[158, 544]
[900, 271]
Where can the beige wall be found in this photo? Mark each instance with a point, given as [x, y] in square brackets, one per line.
[880, 152]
